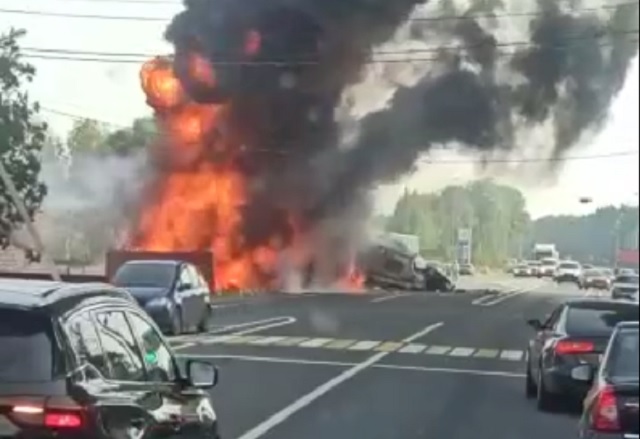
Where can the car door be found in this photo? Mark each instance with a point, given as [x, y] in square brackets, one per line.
[111, 377]
[188, 409]
[201, 293]
[542, 337]
[185, 293]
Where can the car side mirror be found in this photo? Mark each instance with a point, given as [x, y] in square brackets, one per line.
[202, 374]
[535, 324]
[584, 373]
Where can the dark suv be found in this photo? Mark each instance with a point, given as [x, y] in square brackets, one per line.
[83, 361]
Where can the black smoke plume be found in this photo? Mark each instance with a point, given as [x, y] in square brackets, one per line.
[284, 66]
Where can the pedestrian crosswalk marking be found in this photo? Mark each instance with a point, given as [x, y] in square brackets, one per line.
[315, 342]
[413, 348]
[389, 346]
[511, 355]
[462, 352]
[438, 350]
[401, 348]
[339, 344]
[487, 353]
[364, 346]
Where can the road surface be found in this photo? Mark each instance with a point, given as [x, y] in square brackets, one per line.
[380, 365]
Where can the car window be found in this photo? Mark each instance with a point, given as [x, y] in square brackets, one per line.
[192, 272]
[153, 275]
[185, 276]
[157, 357]
[85, 342]
[599, 319]
[120, 348]
[624, 356]
[554, 318]
[26, 347]
[626, 279]
[569, 265]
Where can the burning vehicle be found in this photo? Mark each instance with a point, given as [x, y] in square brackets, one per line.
[389, 264]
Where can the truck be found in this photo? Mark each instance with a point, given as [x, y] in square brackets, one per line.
[545, 251]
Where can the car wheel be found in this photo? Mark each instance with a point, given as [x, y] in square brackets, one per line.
[176, 322]
[531, 389]
[544, 399]
[203, 326]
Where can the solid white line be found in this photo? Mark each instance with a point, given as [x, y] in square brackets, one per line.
[287, 321]
[484, 298]
[298, 361]
[502, 297]
[392, 297]
[281, 416]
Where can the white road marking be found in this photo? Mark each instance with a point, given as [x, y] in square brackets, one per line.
[255, 324]
[315, 342]
[364, 346]
[480, 300]
[303, 362]
[267, 340]
[281, 416]
[462, 352]
[203, 339]
[489, 373]
[392, 297]
[414, 348]
[438, 350]
[512, 355]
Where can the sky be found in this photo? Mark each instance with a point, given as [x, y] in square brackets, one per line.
[110, 92]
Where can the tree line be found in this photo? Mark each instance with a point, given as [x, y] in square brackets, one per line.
[502, 229]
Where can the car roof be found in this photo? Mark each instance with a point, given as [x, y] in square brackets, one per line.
[154, 262]
[41, 293]
[628, 325]
[596, 302]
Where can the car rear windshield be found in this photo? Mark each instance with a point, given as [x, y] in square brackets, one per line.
[593, 273]
[570, 266]
[599, 319]
[625, 352]
[26, 347]
[145, 275]
[627, 280]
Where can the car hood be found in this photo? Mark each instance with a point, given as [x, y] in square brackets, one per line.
[146, 294]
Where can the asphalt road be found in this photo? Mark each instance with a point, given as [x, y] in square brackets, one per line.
[380, 365]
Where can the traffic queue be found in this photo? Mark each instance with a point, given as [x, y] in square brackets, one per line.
[586, 351]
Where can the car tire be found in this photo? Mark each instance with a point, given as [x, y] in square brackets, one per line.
[531, 389]
[176, 322]
[544, 399]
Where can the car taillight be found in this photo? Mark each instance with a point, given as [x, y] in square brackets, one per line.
[55, 418]
[567, 347]
[604, 416]
[60, 420]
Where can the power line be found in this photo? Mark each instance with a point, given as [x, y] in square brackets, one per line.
[413, 19]
[618, 154]
[137, 58]
[484, 43]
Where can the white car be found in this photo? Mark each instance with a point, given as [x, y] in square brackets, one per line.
[625, 286]
[548, 267]
[522, 270]
[568, 271]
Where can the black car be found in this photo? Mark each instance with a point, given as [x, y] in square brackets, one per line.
[610, 410]
[174, 293]
[577, 332]
[83, 361]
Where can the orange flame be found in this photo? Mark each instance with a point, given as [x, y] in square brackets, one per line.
[197, 201]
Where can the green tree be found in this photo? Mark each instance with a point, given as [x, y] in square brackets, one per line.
[22, 136]
[140, 135]
[86, 136]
